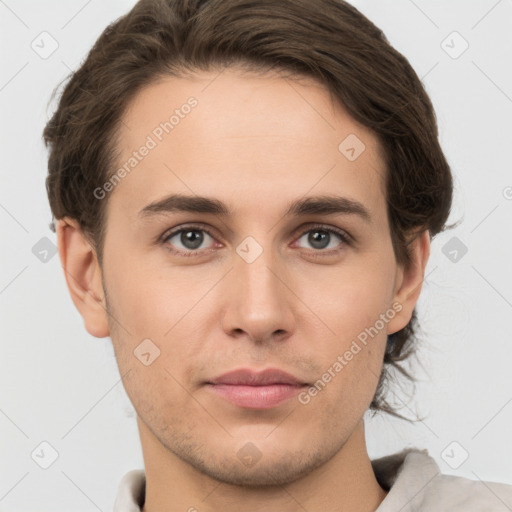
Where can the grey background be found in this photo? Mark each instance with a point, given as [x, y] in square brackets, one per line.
[61, 386]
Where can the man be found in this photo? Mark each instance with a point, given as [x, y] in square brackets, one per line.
[246, 193]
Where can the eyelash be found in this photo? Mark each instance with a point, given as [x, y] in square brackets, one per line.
[346, 239]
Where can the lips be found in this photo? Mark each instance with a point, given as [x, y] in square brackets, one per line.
[247, 377]
[256, 390]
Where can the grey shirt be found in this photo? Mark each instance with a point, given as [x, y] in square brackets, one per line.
[411, 476]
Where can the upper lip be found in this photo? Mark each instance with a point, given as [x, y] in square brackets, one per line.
[248, 377]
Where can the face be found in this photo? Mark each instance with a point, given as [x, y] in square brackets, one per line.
[255, 287]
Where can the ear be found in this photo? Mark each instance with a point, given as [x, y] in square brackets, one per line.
[408, 282]
[83, 276]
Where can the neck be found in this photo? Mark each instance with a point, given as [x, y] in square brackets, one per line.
[344, 483]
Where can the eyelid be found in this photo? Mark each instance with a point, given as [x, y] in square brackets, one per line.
[346, 238]
[199, 226]
[196, 226]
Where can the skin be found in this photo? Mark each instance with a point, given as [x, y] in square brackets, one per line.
[256, 142]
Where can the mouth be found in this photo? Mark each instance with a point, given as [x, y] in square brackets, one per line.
[256, 390]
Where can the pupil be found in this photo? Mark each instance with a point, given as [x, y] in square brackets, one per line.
[317, 241]
[193, 238]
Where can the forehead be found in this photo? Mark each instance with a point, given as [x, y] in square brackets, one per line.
[247, 139]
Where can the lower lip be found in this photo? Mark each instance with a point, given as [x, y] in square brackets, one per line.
[256, 397]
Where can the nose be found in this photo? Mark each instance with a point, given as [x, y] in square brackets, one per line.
[258, 300]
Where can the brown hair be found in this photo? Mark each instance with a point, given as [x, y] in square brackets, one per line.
[328, 40]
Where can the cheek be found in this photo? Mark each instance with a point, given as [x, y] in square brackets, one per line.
[167, 310]
[158, 396]
[351, 368]
[149, 302]
[352, 299]
[355, 305]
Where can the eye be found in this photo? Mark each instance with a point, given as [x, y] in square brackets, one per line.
[190, 238]
[323, 238]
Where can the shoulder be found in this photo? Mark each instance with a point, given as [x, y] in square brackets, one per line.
[459, 493]
[131, 492]
[415, 483]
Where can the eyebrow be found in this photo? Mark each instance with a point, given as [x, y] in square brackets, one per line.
[313, 205]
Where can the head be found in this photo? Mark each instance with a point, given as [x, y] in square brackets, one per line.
[259, 108]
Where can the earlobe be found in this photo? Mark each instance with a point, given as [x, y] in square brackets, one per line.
[83, 276]
[409, 282]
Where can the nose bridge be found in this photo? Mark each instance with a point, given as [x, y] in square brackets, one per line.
[255, 269]
[258, 303]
